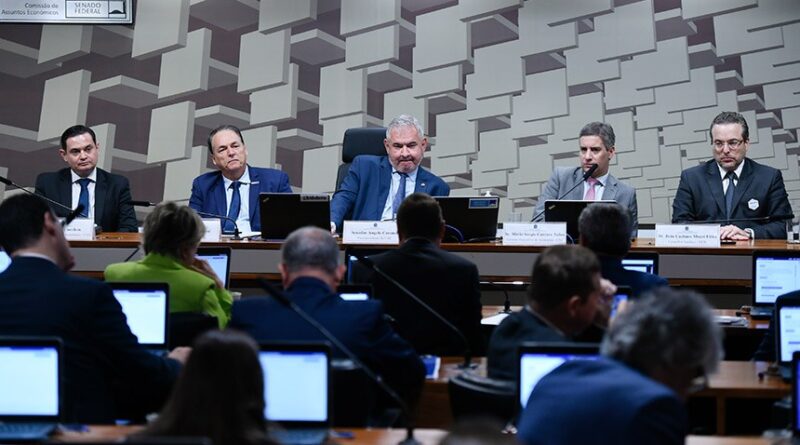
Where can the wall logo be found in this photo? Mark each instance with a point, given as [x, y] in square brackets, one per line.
[66, 11]
[101, 9]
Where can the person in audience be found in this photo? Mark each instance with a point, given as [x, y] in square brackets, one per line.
[310, 272]
[219, 395]
[448, 283]
[171, 236]
[596, 142]
[605, 229]
[755, 206]
[655, 353]
[39, 298]
[233, 190]
[106, 197]
[565, 296]
[375, 186]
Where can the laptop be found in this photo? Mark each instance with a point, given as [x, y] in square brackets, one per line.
[355, 292]
[31, 392]
[146, 308]
[537, 359]
[787, 333]
[5, 260]
[470, 219]
[568, 211]
[283, 213]
[646, 262]
[297, 390]
[795, 398]
[774, 273]
[219, 258]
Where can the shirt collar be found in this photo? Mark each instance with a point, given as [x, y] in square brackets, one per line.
[35, 255]
[738, 171]
[92, 175]
[412, 175]
[602, 179]
[244, 179]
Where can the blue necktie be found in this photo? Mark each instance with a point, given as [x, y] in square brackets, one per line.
[233, 210]
[401, 193]
[83, 198]
[729, 194]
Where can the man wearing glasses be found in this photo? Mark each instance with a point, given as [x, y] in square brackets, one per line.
[747, 198]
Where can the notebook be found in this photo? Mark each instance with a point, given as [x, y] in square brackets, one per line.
[31, 393]
[297, 390]
[774, 273]
[146, 308]
[470, 219]
[283, 213]
[567, 210]
[537, 359]
[219, 258]
[5, 260]
[787, 333]
[646, 262]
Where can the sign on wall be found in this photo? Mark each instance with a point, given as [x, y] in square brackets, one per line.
[67, 11]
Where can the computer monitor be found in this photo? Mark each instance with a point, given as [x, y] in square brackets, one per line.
[470, 219]
[219, 258]
[774, 273]
[646, 262]
[283, 213]
[5, 260]
[537, 359]
[30, 379]
[795, 395]
[568, 211]
[787, 328]
[146, 308]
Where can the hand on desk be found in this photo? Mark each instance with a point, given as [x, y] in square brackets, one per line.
[731, 232]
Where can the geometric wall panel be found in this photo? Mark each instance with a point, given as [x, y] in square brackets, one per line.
[64, 103]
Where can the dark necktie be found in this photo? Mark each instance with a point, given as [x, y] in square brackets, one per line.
[83, 198]
[233, 210]
[731, 176]
[401, 193]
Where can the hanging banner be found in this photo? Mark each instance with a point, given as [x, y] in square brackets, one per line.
[67, 11]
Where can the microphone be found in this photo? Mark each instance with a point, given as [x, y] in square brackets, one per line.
[73, 214]
[136, 203]
[467, 351]
[286, 301]
[236, 232]
[7, 181]
[586, 175]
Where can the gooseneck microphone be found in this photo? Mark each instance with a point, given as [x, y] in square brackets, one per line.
[236, 232]
[467, 351]
[7, 181]
[73, 214]
[586, 175]
[286, 301]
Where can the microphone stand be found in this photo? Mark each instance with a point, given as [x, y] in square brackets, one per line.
[586, 175]
[236, 233]
[507, 303]
[70, 211]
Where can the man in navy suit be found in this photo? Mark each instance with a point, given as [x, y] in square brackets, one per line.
[233, 190]
[102, 358]
[605, 228]
[376, 185]
[105, 196]
[655, 353]
[310, 271]
[754, 206]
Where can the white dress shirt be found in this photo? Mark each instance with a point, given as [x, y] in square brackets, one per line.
[76, 191]
[243, 221]
[599, 188]
[411, 181]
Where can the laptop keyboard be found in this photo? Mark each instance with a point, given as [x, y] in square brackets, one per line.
[25, 431]
[300, 436]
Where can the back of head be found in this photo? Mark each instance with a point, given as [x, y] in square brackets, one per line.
[419, 215]
[730, 117]
[561, 272]
[606, 229]
[170, 229]
[75, 131]
[219, 394]
[310, 248]
[21, 221]
[601, 129]
[666, 332]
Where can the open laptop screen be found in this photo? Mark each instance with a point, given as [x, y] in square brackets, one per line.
[789, 331]
[296, 384]
[774, 275]
[146, 308]
[796, 395]
[5, 260]
[219, 258]
[646, 262]
[29, 380]
[538, 359]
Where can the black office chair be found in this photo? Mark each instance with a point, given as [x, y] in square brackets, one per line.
[359, 141]
[474, 396]
[185, 327]
[353, 395]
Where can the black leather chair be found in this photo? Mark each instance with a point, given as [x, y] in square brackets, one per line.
[473, 396]
[185, 327]
[359, 141]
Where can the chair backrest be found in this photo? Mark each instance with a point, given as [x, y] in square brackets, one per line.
[474, 396]
[359, 141]
[184, 327]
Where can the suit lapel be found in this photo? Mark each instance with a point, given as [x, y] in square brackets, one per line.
[576, 178]
[100, 189]
[715, 185]
[421, 186]
[219, 197]
[384, 184]
[65, 188]
[743, 185]
[610, 191]
[255, 186]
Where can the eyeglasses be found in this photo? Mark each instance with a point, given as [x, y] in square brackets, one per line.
[733, 144]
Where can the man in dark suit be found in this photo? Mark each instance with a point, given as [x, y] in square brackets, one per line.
[233, 190]
[448, 283]
[564, 298]
[376, 185]
[655, 353]
[755, 206]
[310, 271]
[605, 228]
[105, 196]
[596, 142]
[38, 298]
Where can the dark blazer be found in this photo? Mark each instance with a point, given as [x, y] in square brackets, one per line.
[208, 192]
[517, 328]
[101, 354]
[760, 193]
[640, 282]
[359, 325]
[366, 187]
[601, 402]
[113, 211]
[447, 282]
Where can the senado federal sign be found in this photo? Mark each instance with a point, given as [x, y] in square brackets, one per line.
[66, 11]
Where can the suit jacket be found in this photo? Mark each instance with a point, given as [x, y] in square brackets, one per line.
[759, 193]
[189, 291]
[101, 353]
[359, 325]
[640, 282]
[517, 328]
[611, 404]
[112, 195]
[208, 192]
[446, 282]
[366, 187]
[564, 178]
